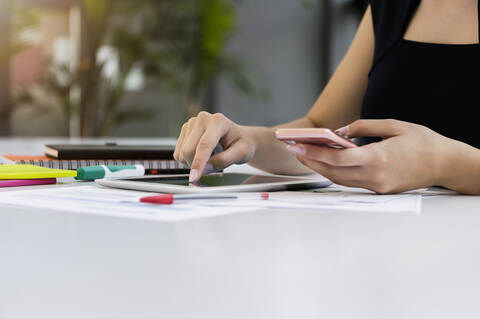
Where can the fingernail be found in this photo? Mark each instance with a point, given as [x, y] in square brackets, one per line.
[296, 149]
[343, 130]
[193, 175]
[208, 169]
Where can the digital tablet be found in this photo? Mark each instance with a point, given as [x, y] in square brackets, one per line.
[219, 182]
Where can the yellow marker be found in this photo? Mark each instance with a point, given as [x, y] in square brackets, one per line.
[32, 172]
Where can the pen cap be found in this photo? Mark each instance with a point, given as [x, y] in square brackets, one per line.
[90, 173]
[165, 199]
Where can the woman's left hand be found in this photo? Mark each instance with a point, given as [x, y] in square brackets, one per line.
[409, 157]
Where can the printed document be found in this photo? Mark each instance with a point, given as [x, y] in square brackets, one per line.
[92, 199]
[97, 200]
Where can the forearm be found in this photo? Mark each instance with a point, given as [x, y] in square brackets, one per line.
[461, 171]
[272, 156]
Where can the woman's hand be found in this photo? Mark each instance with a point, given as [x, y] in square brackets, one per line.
[409, 157]
[200, 136]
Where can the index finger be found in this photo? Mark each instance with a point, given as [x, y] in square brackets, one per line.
[205, 148]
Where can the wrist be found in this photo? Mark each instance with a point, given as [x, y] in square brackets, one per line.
[452, 152]
[258, 136]
[460, 169]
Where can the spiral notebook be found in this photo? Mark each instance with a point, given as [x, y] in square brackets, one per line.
[151, 166]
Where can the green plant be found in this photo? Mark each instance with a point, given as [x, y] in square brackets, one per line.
[181, 43]
[193, 39]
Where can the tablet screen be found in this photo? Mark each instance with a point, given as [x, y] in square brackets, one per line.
[215, 180]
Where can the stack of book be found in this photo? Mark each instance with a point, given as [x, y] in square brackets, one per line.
[155, 158]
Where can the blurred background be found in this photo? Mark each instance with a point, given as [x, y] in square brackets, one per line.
[140, 68]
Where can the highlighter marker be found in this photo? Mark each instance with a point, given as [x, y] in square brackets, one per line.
[92, 173]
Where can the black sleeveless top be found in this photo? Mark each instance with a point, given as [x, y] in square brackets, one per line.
[436, 85]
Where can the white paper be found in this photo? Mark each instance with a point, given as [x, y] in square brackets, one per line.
[336, 201]
[93, 199]
[97, 200]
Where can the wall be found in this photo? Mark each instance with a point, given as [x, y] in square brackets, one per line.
[280, 39]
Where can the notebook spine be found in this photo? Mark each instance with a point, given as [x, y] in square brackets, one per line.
[160, 165]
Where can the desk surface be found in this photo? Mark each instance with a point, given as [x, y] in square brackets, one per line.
[255, 265]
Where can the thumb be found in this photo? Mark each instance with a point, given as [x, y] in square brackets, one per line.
[374, 128]
[238, 153]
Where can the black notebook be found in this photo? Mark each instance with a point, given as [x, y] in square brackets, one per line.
[109, 151]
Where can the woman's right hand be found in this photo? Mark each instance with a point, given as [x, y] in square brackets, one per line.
[199, 138]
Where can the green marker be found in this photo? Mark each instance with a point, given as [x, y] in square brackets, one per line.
[92, 173]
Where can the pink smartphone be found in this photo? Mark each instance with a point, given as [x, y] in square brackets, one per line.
[317, 136]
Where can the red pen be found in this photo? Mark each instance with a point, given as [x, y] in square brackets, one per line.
[166, 199]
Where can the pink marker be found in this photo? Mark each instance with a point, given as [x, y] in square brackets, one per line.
[27, 182]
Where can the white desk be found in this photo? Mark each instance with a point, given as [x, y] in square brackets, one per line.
[254, 265]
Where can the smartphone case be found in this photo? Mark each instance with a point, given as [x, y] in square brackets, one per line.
[316, 136]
